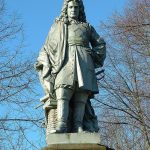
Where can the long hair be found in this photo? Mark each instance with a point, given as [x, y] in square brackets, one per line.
[64, 16]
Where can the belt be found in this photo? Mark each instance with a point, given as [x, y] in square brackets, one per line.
[78, 42]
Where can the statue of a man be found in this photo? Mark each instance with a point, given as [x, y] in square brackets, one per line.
[66, 65]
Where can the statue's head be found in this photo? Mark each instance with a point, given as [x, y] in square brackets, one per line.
[73, 9]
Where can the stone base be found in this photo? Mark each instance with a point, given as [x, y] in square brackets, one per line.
[74, 141]
[75, 147]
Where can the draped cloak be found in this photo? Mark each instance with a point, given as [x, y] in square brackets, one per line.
[52, 54]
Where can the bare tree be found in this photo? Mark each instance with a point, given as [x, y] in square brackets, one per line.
[125, 100]
[17, 87]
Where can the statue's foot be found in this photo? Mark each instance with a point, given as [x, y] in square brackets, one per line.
[78, 130]
[61, 130]
[61, 127]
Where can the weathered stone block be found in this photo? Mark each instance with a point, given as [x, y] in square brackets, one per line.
[74, 141]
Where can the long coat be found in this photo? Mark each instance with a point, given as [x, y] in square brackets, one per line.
[68, 55]
[78, 64]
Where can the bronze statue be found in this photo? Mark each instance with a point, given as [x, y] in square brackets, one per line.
[66, 66]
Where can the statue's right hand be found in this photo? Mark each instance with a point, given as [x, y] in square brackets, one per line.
[38, 66]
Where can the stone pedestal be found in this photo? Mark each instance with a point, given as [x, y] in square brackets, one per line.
[74, 141]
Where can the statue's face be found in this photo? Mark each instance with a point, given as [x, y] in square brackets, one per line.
[73, 10]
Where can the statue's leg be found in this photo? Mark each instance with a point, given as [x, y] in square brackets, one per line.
[79, 102]
[63, 96]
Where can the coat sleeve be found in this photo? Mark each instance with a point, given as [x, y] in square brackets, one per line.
[99, 48]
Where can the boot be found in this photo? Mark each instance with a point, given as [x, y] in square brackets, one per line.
[62, 116]
[78, 114]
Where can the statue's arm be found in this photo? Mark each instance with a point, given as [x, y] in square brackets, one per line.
[98, 46]
[43, 63]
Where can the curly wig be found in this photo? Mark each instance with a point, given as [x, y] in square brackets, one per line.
[64, 17]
